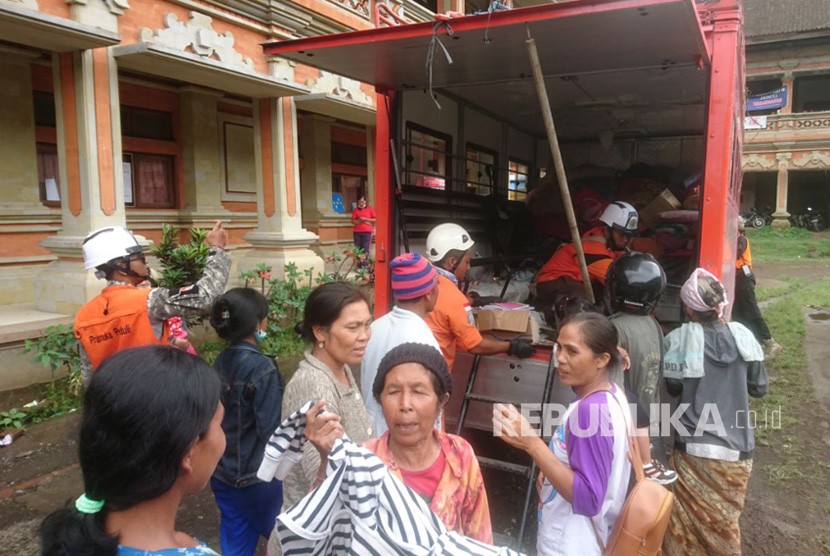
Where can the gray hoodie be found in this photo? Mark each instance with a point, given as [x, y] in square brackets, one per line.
[716, 419]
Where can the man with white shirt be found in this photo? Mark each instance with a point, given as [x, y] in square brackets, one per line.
[414, 283]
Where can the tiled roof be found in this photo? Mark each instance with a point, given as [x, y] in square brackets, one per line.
[782, 17]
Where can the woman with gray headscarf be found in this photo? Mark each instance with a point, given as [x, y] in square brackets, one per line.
[714, 367]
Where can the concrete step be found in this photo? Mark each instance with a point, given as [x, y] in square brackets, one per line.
[24, 321]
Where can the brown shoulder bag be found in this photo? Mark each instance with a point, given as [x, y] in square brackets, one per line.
[644, 517]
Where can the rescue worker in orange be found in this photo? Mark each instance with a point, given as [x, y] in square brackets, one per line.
[125, 314]
[602, 244]
[745, 308]
[450, 250]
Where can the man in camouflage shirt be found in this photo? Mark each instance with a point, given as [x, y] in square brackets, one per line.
[125, 314]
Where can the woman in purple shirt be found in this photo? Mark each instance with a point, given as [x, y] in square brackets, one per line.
[584, 471]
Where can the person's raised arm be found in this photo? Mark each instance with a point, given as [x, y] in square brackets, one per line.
[197, 298]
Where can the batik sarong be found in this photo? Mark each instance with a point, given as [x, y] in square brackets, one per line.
[709, 498]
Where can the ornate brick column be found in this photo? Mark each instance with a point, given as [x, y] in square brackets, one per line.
[203, 180]
[18, 157]
[781, 216]
[89, 151]
[279, 237]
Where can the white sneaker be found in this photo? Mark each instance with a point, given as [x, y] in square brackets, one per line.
[658, 473]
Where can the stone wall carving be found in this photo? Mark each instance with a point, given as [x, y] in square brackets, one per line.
[198, 36]
[115, 7]
[360, 7]
[281, 68]
[757, 161]
[30, 4]
[339, 86]
[799, 121]
[814, 159]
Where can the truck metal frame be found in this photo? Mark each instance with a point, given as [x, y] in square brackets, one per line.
[657, 51]
[701, 43]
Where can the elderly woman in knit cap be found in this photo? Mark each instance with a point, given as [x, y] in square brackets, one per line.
[412, 386]
[714, 367]
[413, 285]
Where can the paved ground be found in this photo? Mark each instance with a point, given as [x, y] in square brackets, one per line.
[40, 473]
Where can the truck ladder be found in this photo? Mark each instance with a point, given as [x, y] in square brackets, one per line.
[506, 466]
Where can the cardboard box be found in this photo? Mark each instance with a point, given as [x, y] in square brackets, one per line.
[506, 325]
[650, 214]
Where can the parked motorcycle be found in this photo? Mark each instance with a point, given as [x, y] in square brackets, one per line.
[757, 219]
[812, 219]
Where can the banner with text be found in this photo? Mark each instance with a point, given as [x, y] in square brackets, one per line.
[772, 100]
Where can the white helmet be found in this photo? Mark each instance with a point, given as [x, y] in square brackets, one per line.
[106, 244]
[621, 216]
[443, 238]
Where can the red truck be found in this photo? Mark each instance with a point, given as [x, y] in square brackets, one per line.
[630, 81]
[655, 81]
[661, 79]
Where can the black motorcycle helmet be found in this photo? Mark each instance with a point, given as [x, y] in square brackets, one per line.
[634, 284]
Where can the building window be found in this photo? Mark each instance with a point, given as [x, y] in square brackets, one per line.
[47, 174]
[149, 180]
[349, 188]
[427, 157]
[349, 171]
[146, 123]
[482, 168]
[44, 104]
[811, 93]
[517, 184]
[343, 153]
[431, 5]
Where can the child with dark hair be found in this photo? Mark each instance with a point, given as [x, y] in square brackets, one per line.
[252, 396]
[150, 436]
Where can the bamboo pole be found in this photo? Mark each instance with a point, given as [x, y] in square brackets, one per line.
[553, 142]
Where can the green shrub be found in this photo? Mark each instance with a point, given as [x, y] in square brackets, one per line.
[287, 297]
[183, 264]
[57, 350]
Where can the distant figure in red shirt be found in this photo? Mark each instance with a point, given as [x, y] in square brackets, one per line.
[363, 218]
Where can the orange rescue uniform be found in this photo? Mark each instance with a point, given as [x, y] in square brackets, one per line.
[115, 319]
[564, 264]
[452, 322]
[744, 258]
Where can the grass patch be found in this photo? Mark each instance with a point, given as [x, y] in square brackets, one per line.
[820, 542]
[788, 245]
[791, 389]
[777, 474]
[764, 293]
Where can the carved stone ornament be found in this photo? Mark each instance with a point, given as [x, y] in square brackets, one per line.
[199, 37]
[339, 86]
[757, 161]
[814, 159]
[115, 7]
[30, 4]
[280, 68]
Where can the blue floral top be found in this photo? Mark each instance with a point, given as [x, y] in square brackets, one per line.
[199, 550]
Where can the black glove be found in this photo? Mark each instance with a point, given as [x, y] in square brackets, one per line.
[477, 300]
[520, 348]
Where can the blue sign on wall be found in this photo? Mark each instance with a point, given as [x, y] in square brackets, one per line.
[337, 203]
[772, 100]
